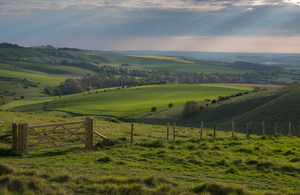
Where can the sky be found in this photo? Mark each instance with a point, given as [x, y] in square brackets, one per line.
[256, 26]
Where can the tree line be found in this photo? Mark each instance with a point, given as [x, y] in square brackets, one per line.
[109, 76]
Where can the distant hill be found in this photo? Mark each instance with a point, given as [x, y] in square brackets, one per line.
[265, 58]
[274, 105]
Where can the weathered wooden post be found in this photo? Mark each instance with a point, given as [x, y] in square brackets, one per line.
[275, 128]
[168, 127]
[201, 132]
[174, 128]
[26, 143]
[131, 139]
[232, 128]
[89, 128]
[247, 131]
[21, 139]
[250, 128]
[290, 127]
[14, 128]
[215, 129]
[263, 128]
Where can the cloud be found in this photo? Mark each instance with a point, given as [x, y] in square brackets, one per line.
[28, 6]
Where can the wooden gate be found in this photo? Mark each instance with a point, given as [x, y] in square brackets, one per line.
[57, 135]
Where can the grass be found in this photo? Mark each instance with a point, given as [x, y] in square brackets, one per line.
[131, 101]
[52, 80]
[184, 166]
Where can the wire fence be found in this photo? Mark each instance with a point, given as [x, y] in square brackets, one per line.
[257, 128]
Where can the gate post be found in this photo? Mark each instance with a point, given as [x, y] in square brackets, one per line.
[89, 125]
[21, 139]
[14, 128]
[25, 129]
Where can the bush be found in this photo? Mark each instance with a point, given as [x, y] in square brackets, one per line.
[190, 108]
[153, 109]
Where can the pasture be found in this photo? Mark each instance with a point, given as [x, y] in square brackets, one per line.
[188, 165]
[137, 100]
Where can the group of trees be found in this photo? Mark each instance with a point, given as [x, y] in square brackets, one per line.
[9, 45]
[109, 76]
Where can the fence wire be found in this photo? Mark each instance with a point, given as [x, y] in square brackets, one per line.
[257, 128]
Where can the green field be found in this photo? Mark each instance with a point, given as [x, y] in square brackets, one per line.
[221, 165]
[131, 101]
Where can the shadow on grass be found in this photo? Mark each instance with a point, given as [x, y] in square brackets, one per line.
[8, 152]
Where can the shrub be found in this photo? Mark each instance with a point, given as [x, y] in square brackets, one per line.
[190, 108]
[153, 109]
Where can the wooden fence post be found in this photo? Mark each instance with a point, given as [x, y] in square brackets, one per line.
[215, 129]
[232, 128]
[168, 127]
[263, 128]
[89, 128]
[250, 128]
[247, 131]
[26, 143]
[21, 138]
[201, 132]
[275, 128]
[290, 127]
[131, 139]
[174, 128]
[14, 128]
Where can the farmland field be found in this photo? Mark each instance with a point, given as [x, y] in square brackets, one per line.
[138, 100]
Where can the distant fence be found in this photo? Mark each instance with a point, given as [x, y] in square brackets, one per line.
[28, 138]
[248, 129]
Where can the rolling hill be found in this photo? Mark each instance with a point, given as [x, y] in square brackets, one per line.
[275, 105]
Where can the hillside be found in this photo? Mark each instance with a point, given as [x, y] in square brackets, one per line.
[274, 105]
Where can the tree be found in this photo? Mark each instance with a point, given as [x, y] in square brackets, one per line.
[153, 109]
[171, 105]
[190, 108]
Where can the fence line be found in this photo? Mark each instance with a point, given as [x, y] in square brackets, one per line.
[248, 129]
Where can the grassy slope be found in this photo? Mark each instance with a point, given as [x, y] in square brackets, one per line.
[275, 105]
[257, 164]
[122, 103]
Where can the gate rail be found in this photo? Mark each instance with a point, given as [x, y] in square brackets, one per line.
[29, 138]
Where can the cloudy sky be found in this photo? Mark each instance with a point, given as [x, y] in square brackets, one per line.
[271, 26]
